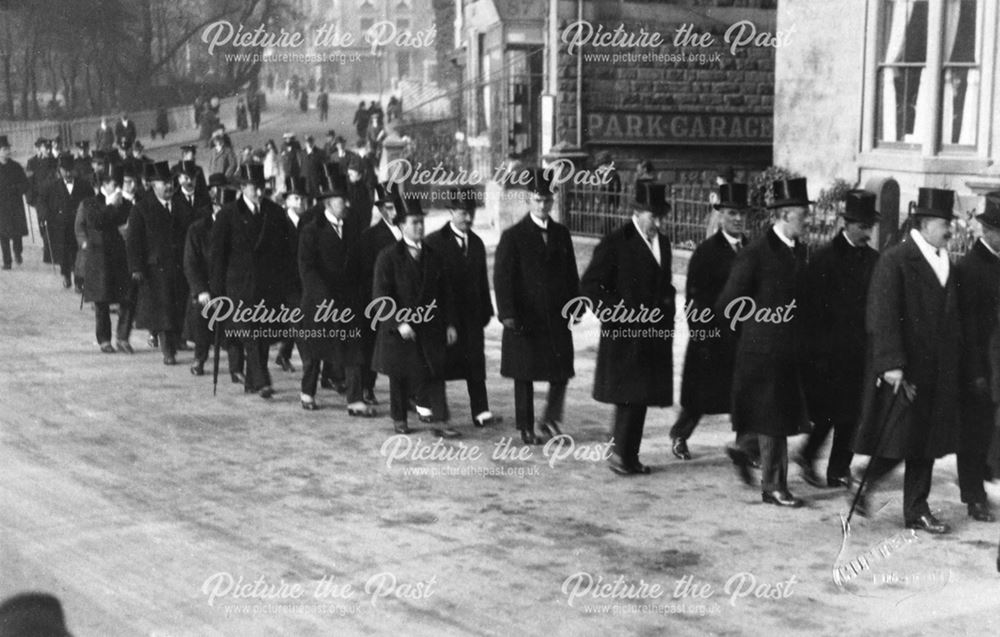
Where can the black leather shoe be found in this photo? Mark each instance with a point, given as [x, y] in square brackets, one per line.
[840, 482]
[67, 282]
[742, 463]
[617, 466]
[237, 378]
[550, 428]
[680, 448]
[368, 396]
[929, 523]
[107, 348]
[367, 412]
[528, 437]
[198, 369]
[401, 428]
[447, 432]
[18, 259]
[809, 472]
[266, 393]
[124, 347]
[781, 498]
[309, 405]
[6, 266]
[640, 468]
[980, 511]
[169, 359]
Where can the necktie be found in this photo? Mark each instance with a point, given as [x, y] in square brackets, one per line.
[461, 244]
[337, 227]
[191, 200]
[415, 253]
[545, 235]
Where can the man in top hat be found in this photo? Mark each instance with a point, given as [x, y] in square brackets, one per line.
[410, 276]
[157, 229]
[188, 154]
[125, 130]
[833, 311]
[978, 277]
[40, 169]
[187, 193]
[371, 243]
[106, 277]
[81, 161]
[534, 276]
[767, 394]
[328, 266]
[464, 257]
[295, 198]
[62, 200]
[631, 270]
[359, 193]
[915, 341]
[14, 186]
[196, 270]
[707, 381]
[312, 166]
[253, 261]
[291, 157]
[104, 138]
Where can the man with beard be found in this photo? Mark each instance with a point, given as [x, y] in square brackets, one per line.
[196, 270]
[767, 394]
[464, 257]
[157, 229]
[833, 311]
[534, 276]
[13, 224]
[978, 278]
[412, 353]
[328, 268]
[107, 280]
[61, 203]
[631, 269]
[707, 380]
[41, 170]
[253, 262]
[915, 346]
[373, 240]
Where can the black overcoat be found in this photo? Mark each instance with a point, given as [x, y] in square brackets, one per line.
[370, 244]
[768, 397]
[412, 285]
[633, 369]
[155, 242]
[106, 276]
[978, 278]
[833, 311]
[533, 281]
[707, 380]
[197, 247]
[470, 291]
[13, 188]
[60, 215]
[328, 267]
[913, 324]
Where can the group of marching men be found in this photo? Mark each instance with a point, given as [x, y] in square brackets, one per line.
[785, 344]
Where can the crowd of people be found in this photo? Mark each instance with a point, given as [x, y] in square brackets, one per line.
[843, 342]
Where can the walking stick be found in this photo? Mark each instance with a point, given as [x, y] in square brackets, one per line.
[215, 359]
[48, 237]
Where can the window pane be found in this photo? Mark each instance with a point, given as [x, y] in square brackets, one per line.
[898, 94]
[960, 84]
[904, 31]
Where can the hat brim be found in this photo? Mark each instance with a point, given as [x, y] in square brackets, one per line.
[932, 212]
[789, 203]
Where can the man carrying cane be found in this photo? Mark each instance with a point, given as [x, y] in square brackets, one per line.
[914, 340]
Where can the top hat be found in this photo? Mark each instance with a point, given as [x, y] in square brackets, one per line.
[158, 171]
[65, 161]
[296, 186]
[935, 202]
[383, 196]
[113, 173]
[250, 174]
[129, 170]
[991, 214]
[734, 195]
[859, 205]
[190, 148]
[407, 205]
[334, 183]
[539, 183]
[462, 198]
[35, 614]
[790, 192]
[228, 195]
[217, 180]
[652, 197]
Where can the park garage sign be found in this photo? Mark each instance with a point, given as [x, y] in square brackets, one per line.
[743, 129]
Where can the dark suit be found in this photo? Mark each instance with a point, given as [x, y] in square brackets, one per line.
[413, 366]
[328, 268]
[470, 290]
[913, 324]
[13, 223]
[633, 372]
[125, 132]
[373, 240]
[359, 211]
[768, 397]
[253, 261]
[833, 311]
[534, 276]
[41, 171]
[978, 278]
[60, 216]
[707, 380]
[155, 244]
[106, 276]
[312, 170]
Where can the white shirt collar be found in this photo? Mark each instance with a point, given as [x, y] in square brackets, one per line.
[334, 221]
[653, 244]
[731, 239]
[788, 242]
[164, 203]
[294, 216]
[457, 231]
[937, 258]
[394, 229]
[543, 224]
[410, 244]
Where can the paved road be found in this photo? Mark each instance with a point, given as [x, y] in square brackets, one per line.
[141, 500]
